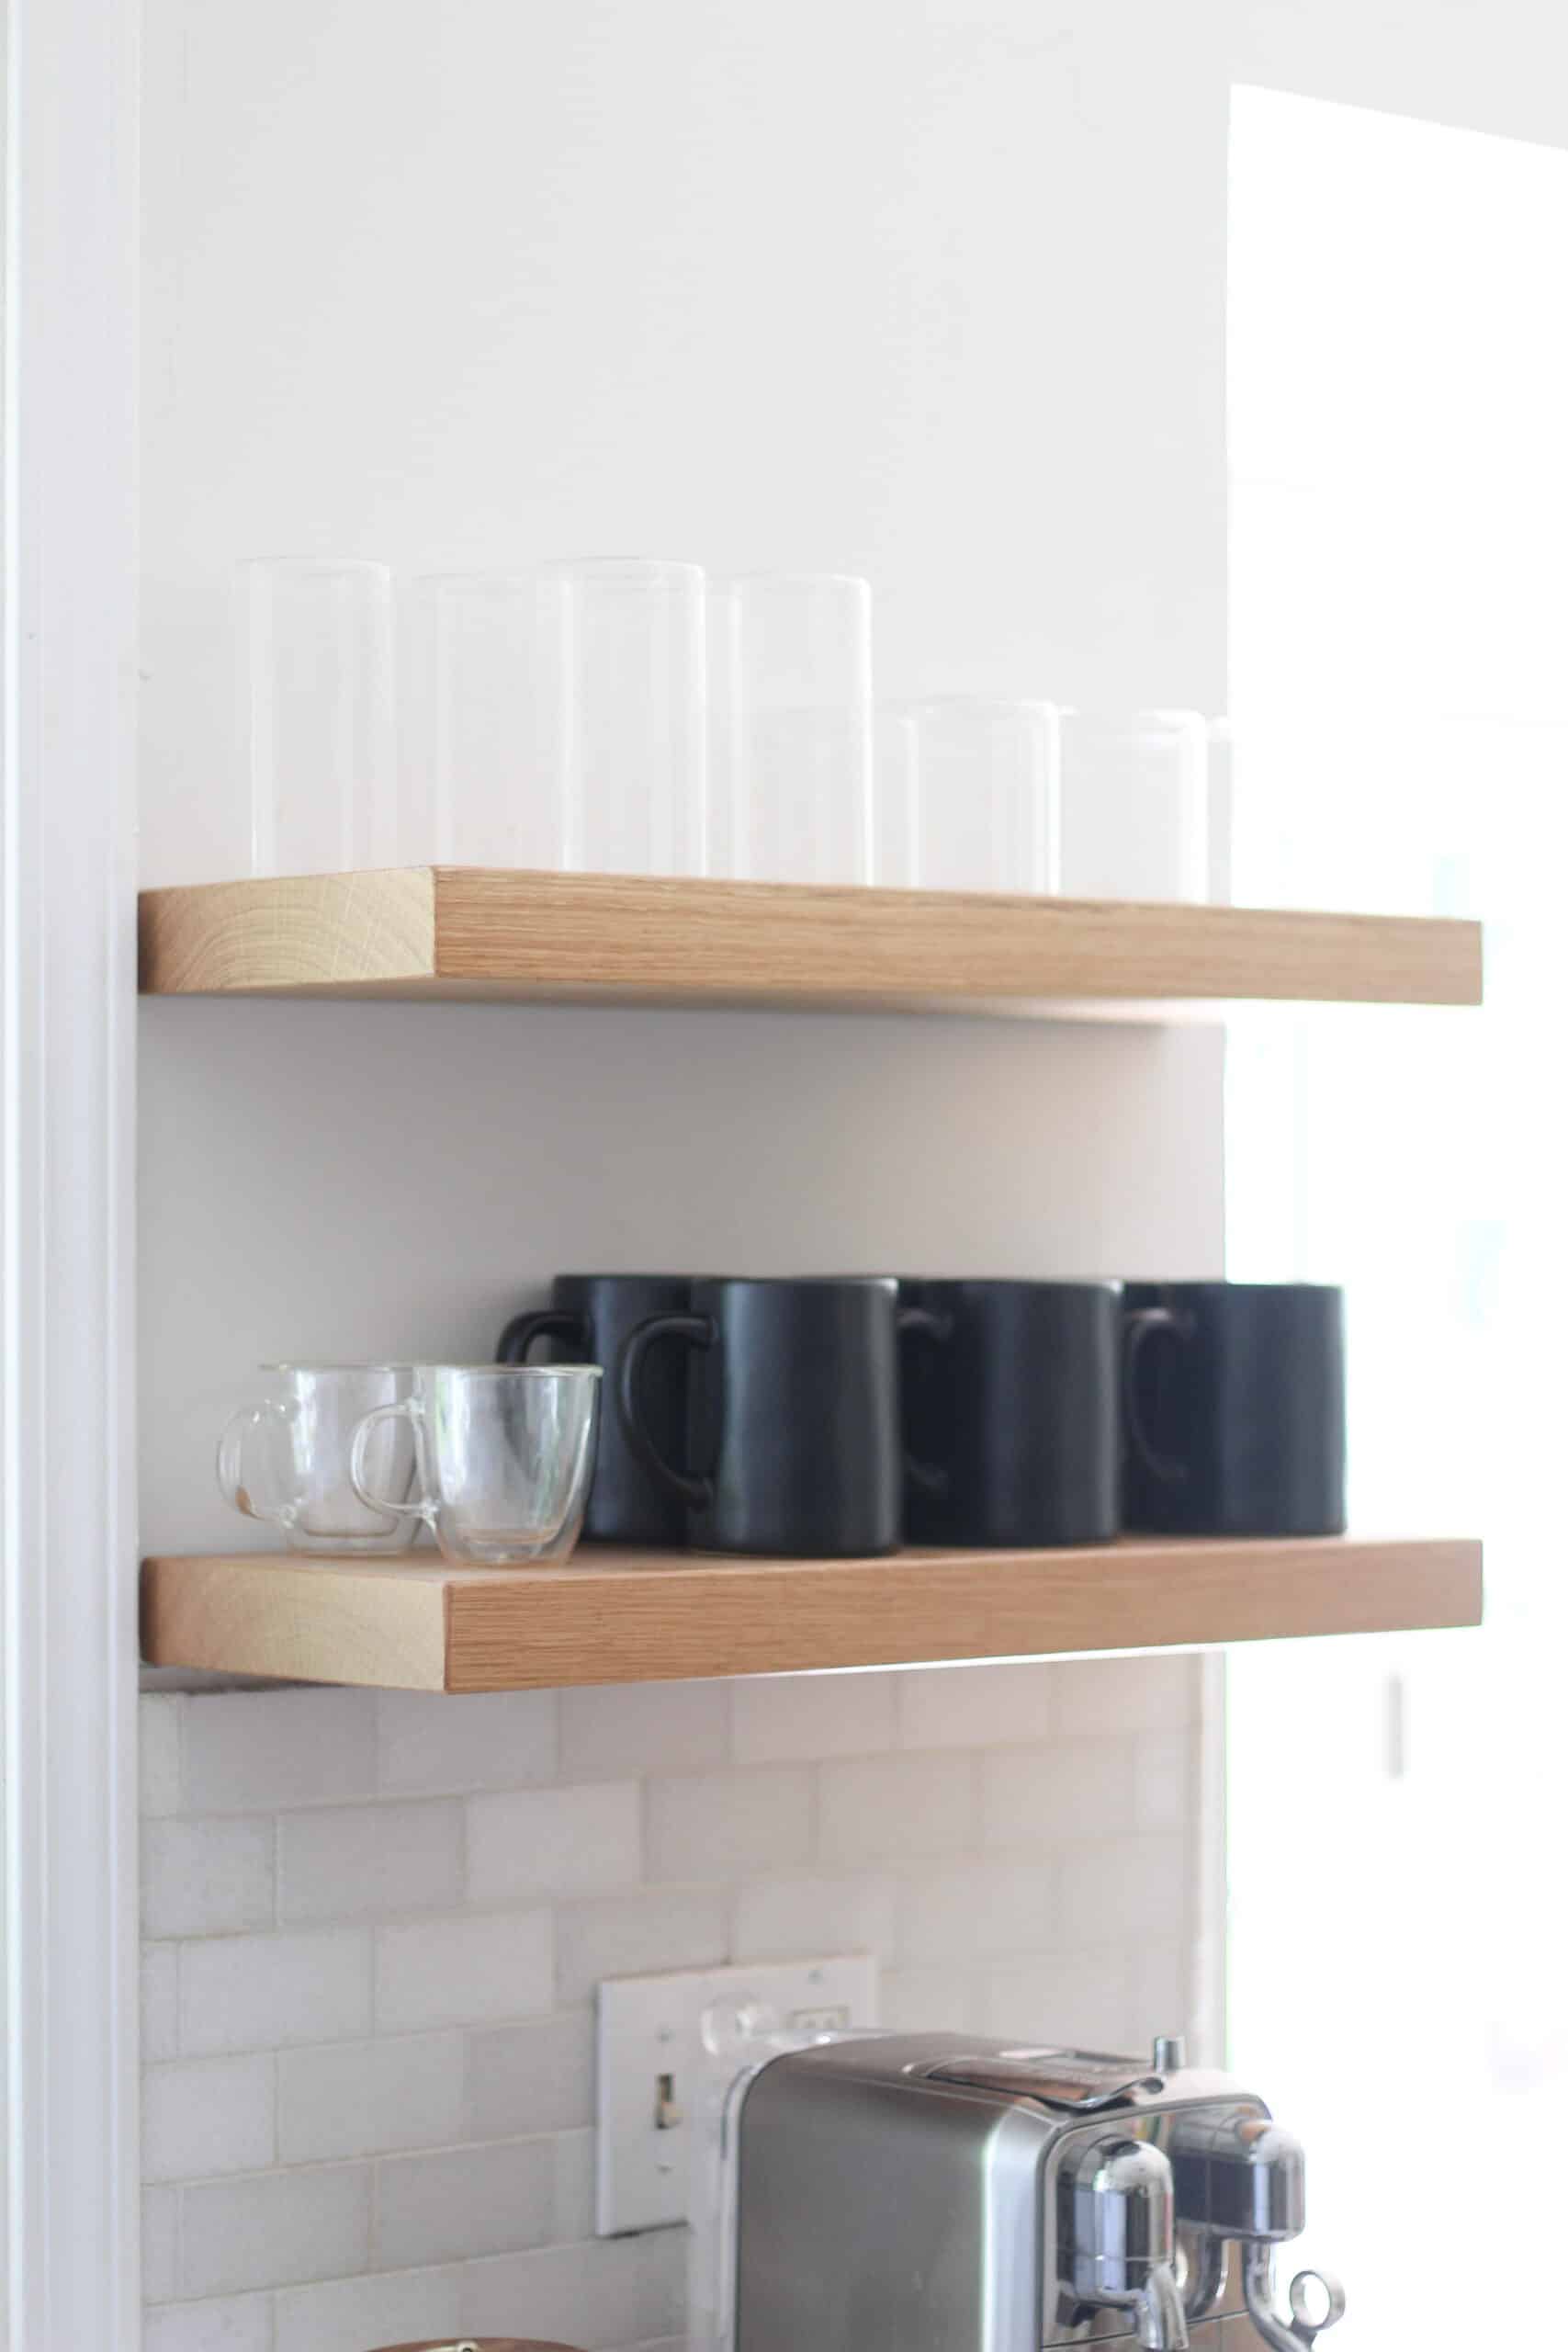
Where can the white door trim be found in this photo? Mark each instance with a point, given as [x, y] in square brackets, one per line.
[67, 1046]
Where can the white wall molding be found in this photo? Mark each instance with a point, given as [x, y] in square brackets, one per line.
[67, 982]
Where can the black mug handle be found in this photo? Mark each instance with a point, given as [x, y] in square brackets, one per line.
[1142, 1325]
[929, 1325]
[696, 1331]
[558, 1322]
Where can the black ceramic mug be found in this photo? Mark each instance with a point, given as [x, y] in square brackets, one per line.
[792, 1414]
[1234, 1406]
[589, 1319]
[1010, 1420]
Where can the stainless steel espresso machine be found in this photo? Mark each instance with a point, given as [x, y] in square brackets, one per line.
[935, 2193]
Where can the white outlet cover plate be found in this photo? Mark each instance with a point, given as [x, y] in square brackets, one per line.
[650, 2026]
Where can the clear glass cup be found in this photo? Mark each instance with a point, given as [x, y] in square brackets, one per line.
[473, 727]
[1135, 805]
[621, 714]
[286, 1460]
[505, 1457]
[894, 800]
[985, 793]
[792, 734]
[318, 714]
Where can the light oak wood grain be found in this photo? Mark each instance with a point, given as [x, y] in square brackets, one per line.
[449, 931]
[323, 932]
[614, 1616]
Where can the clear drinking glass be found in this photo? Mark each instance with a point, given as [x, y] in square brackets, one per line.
[505, 1458]
[1134, 805]
[317, 714]
[987, 795]
[894, 800]
[622, 714]
[286, 1461]
[473, 720]
[794, 707]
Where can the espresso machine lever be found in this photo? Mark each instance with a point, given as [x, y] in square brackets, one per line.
[1121, 2236]
[1258, 2289]
[1243, 2176]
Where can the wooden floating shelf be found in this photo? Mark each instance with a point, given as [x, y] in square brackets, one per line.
[614, 1616]
[460, 932]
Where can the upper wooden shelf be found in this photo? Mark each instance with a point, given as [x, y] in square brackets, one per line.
[462, 932]
[610, 1616]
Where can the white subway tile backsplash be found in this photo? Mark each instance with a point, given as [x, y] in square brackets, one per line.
[207, 2116]
[206, 1878]
[251, 1752]
[159, 2243]
[1125, 1887]
[1032, 1797]
[350, 2314]
[791, 1718]
[533, 1842]
[359, 1861]
[718, 1824]
[430, 1744]
[633, 1935]
[1084, 1998]
[274, 2228]
[270, 1992]
[233, 2324]
[160, 2002]
[1165, 1989]
[1165, 1775]
[974, 1706]
[159, 1758]
[459, 2202]
[597, 2296]
[575, 2158]
[784, 1918]
[927, 2000]
[1125, 1694]
[627, 1731]
[374, 2077]
[361, 2099]
[977, 1910]
[889, 1808]
[459, 1970]
[525, 2078]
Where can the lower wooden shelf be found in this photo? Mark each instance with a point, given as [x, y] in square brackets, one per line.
[614, 1616]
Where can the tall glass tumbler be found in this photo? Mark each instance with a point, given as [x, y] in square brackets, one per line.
[621, 711]
[895, 855]
[1135, 805]
[317, 715]
[987, 794]
[473, 733]
[796, 702]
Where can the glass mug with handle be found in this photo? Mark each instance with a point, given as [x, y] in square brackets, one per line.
[505, 1455]
[285, 1460]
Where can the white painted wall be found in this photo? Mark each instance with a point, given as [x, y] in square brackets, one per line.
[365, 1183]
[932, 294]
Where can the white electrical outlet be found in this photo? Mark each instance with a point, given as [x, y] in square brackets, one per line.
[650, 2053]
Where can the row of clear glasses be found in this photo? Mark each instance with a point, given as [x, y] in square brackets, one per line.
[638, 716]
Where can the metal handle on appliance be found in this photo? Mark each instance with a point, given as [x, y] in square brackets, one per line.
[1120, 2251]
[1258, 2287]
[1069, 2089]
